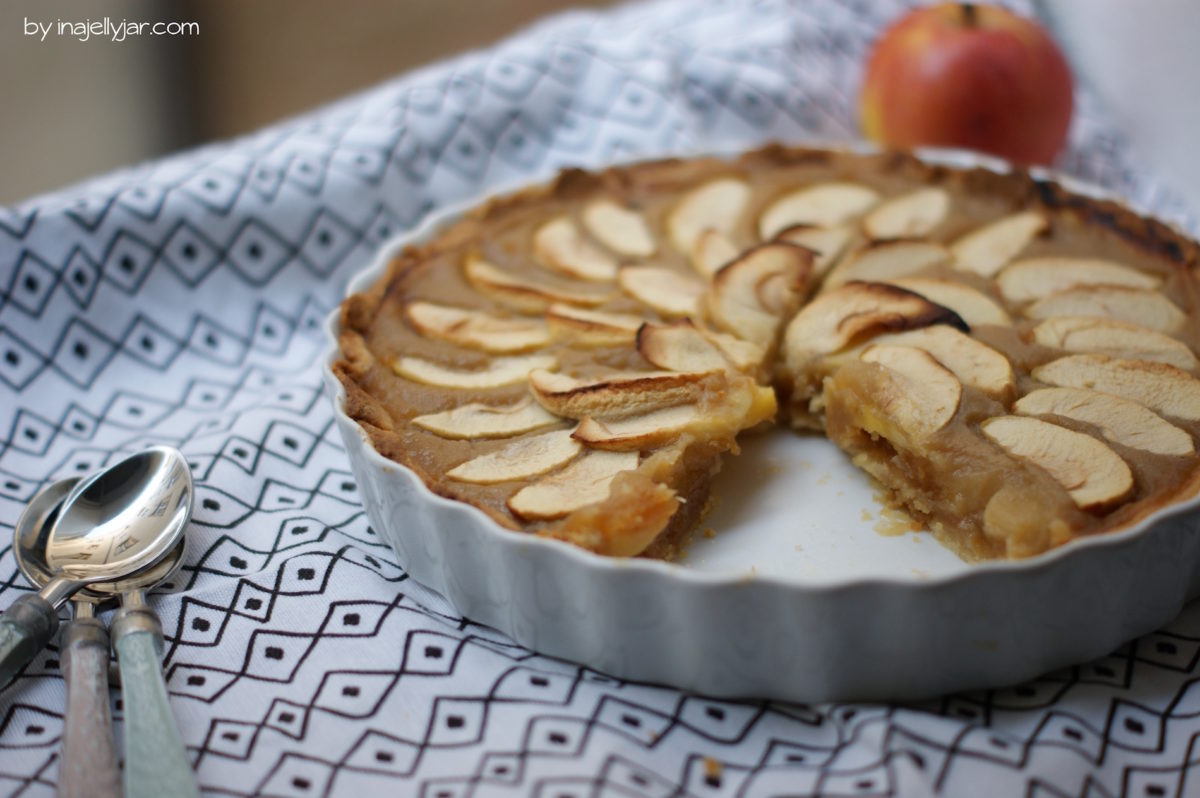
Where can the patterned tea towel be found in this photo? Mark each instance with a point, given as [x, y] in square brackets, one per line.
[182, 302]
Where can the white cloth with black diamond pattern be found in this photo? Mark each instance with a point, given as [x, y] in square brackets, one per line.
[181, 302]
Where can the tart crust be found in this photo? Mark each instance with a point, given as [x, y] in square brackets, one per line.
[574, 265]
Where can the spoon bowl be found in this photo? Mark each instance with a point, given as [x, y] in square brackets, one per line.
[89, 761]
[122, 519]
[111, 526]
[33, 531]
[32, 535]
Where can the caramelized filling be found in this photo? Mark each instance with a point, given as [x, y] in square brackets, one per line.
[566, 280]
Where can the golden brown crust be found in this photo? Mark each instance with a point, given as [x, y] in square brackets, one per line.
[642, 505]
[1016, 187]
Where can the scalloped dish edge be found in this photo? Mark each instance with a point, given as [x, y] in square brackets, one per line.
[557, 554]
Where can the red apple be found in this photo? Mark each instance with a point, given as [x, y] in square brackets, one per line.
[968, 75]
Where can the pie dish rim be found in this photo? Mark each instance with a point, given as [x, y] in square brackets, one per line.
[370, 466]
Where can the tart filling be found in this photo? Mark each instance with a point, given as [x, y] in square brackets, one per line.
[1014, 364]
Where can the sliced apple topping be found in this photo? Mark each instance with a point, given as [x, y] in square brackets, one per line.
[975, 307]
[1035, 278]
[592, 327]
[854, 312]
[532, 296]
[887, 261]
[665, 290]
[1116, 338]
[921, 396]
[1093, 475]
[716, 205]
[827, 243]
[712, 251]
[910, 215]
[823, 205]
[751, 296]
[988, 249]
[974, 363]
[635, 433]
[617, 394]
[622, 230]
[585, 481]
[679, 347]
[524, 457]
[476, 329]
[682, 346]
[744, 355]
[1119, 420]
[1160, 387]
[1134, 305]
[560, 245]
[500, 372]
[477, 420]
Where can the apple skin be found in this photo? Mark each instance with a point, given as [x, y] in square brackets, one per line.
[968, 75]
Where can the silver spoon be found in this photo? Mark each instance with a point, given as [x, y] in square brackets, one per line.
[88, 766]
[145, 509]
[156, 761]
[113, 524]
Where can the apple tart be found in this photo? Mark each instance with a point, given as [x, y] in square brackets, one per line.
[1014, 363]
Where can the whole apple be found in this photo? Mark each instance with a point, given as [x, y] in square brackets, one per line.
[968, 75]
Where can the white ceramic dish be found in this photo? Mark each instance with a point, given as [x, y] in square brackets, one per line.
[798, 597]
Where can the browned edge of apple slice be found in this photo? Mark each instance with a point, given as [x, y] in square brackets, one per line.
[617, 395]
[591, 327]
[854, 312]
[975, 307]
[751, 296]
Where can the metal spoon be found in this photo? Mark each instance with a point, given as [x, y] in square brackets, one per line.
[88, 766]
[145, 496]
[156, 761]
[113, 524]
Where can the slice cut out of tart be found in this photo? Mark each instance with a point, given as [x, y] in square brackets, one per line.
[1014, 364]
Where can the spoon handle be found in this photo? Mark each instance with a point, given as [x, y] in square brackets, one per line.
[89, 758]
[156, 763]
[25, 629]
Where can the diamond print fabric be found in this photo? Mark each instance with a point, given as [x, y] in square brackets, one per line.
[181, 302]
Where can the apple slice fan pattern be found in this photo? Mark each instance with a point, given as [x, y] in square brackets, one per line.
[182, 301]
